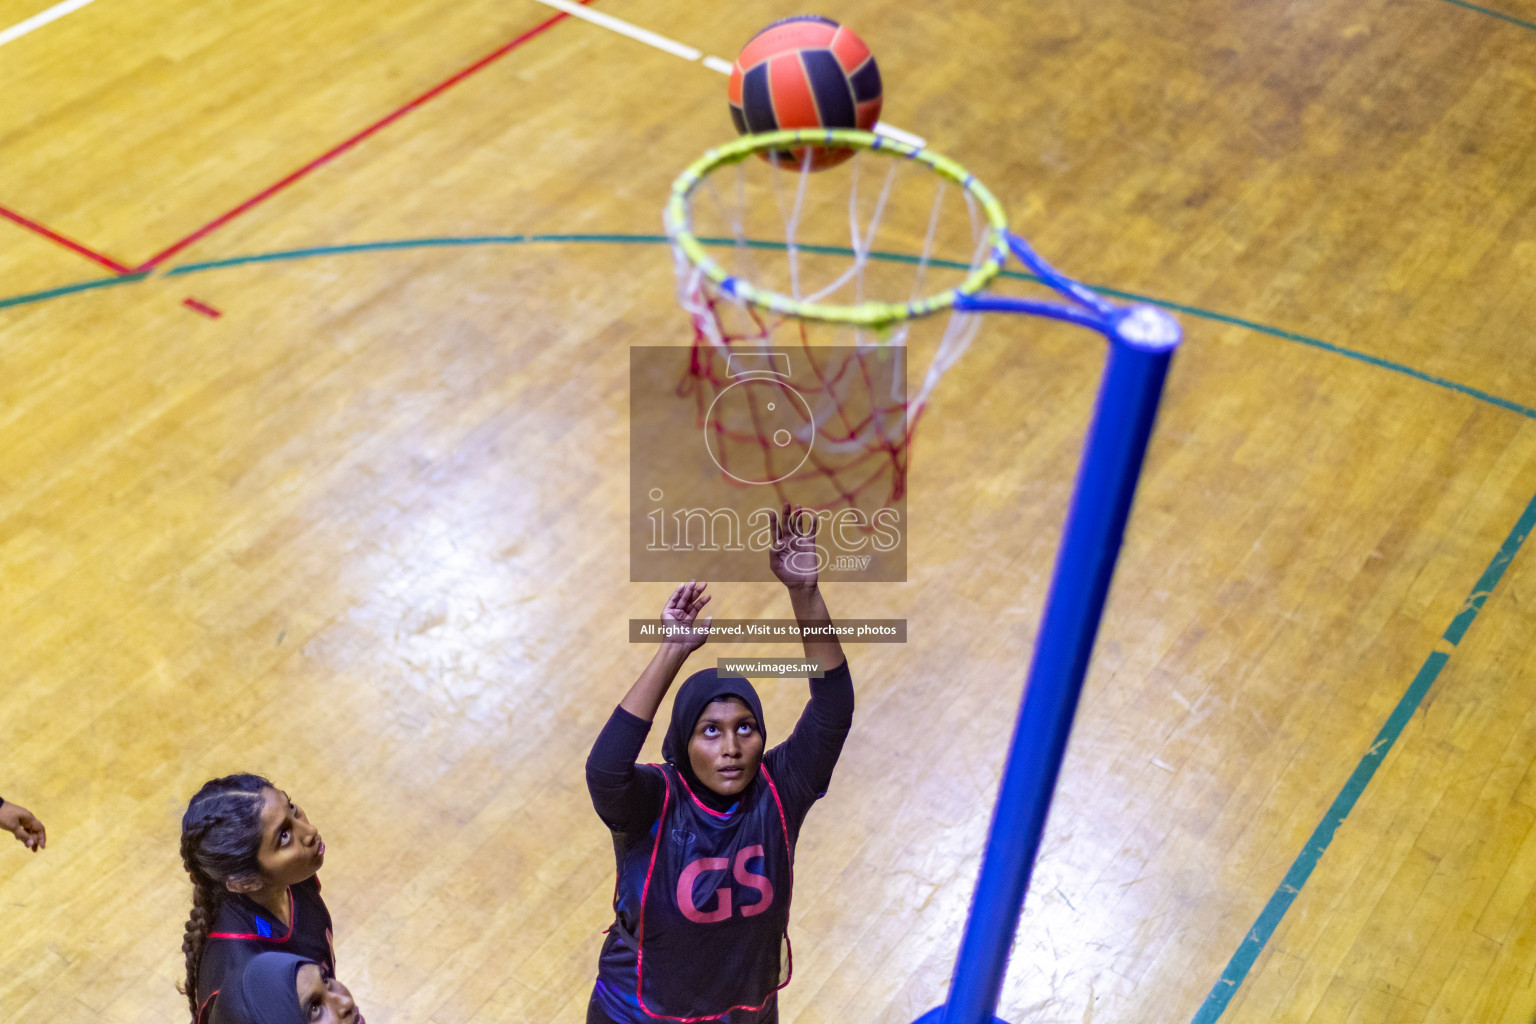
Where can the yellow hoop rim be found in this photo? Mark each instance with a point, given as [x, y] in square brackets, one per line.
[865, 314]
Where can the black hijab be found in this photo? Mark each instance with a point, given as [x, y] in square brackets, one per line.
[692, 698]
[264, 993]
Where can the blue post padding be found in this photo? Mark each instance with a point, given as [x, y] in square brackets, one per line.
[1117, 441]
[936, 1016]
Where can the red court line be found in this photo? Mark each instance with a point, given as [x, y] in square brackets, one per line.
[201, 307]
[54, 236]
[377, 126]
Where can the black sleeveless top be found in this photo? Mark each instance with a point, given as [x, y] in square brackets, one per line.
[684, 863]
[702, 910]
[243, 928]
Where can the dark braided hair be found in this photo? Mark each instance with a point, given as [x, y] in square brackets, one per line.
[220, 834]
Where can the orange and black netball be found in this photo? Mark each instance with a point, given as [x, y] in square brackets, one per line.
[805, 72]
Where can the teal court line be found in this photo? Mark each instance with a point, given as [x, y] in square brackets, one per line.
[1493, 14]
[71, 289]
[1301, 869]
[1269, 919]
[1258, 936]
[644, 239]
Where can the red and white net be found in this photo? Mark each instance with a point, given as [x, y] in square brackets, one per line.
[836, 430]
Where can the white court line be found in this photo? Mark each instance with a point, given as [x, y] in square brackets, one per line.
[37, 21]
[890, 131]
[623, 28]
[677, 49]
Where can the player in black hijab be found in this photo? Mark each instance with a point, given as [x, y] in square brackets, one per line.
[280, 988]
[694, 697]
[705, 842]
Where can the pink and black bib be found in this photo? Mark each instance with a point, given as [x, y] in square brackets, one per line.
[701, 911]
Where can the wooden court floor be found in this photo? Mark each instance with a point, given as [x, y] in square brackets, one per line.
[287, 487]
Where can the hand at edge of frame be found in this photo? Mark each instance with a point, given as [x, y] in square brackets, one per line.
[23, 824]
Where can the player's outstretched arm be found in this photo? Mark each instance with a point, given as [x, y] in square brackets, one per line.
[686, 635]
[23, 824]
[792, 557]
[625, 799]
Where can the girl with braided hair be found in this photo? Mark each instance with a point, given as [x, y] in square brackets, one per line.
[252, 855]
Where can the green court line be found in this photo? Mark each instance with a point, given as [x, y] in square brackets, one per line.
[1317, 343]
[1242, 960]
[891, 257]
[1301, 869]
[71, 289]
[412, 243]
[1493, 14]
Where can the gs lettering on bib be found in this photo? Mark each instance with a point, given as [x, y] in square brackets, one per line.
[714, 906]
[689, 881]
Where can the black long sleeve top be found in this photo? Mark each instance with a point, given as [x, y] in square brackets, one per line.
[628, 801]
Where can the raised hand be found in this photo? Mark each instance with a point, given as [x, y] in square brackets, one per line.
[683, 610]
[22, 824]
[792, 556]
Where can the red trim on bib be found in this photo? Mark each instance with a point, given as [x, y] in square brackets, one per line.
[702, 805]
[293, 919]
[201, 1010]
[645, 889]
[666, 798]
